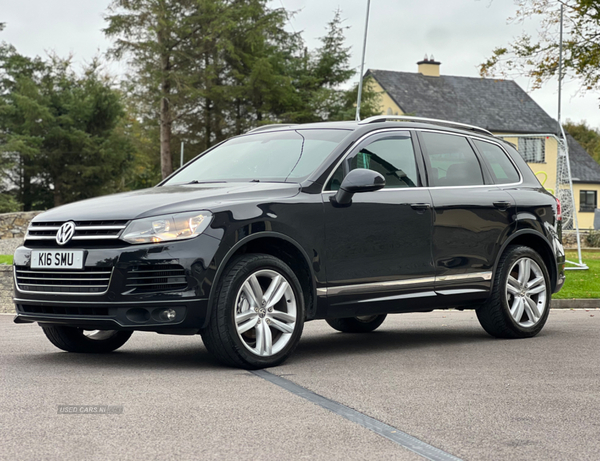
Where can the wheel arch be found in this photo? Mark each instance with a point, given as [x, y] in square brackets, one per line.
[280, 246]
[539, 244]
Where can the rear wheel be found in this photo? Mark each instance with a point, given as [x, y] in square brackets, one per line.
[259, 313]
[520, 300]
[73, 339]
[360, 324]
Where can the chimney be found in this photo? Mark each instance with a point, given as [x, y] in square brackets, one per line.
[429, 67]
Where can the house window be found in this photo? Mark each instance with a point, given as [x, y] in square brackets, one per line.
[533, 150]
[588, 200]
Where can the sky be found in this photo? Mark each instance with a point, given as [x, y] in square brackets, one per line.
[460, 34]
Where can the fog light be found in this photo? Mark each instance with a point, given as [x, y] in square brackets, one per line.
[167, 315]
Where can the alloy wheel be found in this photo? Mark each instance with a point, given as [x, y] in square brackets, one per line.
[526, 292]
[266, 312]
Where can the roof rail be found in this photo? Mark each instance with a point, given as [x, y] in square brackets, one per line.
[272, 125]
[410, 118]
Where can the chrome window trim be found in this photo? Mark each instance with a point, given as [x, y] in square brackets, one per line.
[431, 130]
[479, 138]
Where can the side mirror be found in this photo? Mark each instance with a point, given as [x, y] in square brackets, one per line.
[359, 180]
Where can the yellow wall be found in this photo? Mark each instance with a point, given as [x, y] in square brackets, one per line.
[548, 167]
[387, 105]
[585, 219]
[430, 70]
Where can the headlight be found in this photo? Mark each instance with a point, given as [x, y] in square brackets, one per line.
[166, 228]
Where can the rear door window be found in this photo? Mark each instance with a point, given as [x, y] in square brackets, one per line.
[452, 161]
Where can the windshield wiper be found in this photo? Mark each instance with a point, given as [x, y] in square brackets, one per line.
[195, 181]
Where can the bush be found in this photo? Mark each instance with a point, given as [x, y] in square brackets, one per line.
[8, 203]
[593, 239]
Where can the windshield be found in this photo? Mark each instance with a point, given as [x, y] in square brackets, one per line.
[282, 156]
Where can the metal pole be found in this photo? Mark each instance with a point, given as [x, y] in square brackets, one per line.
[181, 158]
[362, 64]
[560, 55]
[561, 131]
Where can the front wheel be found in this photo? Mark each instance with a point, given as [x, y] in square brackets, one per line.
[360, 324]
[73, 339]
[258, 316]
[520, 299]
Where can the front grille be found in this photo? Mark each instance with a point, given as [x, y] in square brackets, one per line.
[84, 230]
[154, 278]
[62, 310]
[87, 281]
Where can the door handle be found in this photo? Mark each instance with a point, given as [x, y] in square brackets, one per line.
[420, 207]
[502, 205]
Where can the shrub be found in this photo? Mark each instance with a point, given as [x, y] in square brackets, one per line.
[593, 239]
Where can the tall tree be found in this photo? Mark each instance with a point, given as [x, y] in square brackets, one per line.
[588, 137]
[539, 57]
[155, 35]
[62, 130]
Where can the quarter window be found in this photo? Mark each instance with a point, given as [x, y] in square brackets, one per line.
[451, 160]
[503, 170]
[393, 157]
[588, 200]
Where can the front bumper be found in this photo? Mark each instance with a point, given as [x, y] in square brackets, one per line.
[120, 307]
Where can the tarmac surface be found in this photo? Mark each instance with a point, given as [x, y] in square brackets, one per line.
[437, 376]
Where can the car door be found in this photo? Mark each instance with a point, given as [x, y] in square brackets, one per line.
[472, 215]
[378, 249]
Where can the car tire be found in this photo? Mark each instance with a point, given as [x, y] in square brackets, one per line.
[73, 339]
[258, 314]
[519, 303]
[361, 324]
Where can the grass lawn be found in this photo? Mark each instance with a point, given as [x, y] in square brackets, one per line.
[6, 259]
[582, 284]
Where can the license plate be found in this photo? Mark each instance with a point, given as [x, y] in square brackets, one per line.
[57, 259]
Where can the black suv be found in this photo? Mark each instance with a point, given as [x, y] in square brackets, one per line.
[342, 221]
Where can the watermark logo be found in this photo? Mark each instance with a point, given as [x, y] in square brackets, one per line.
[90, 409]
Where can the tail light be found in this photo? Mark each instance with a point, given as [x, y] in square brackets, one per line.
[558, 210]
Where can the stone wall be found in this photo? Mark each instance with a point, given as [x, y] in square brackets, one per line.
[6, 289]
[14, 225]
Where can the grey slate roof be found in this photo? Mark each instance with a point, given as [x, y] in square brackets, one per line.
[497, 105]
[500, 106]
[583, 167]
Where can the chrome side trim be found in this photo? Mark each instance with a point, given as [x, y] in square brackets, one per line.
[420, 294]
[471, 277]
[377, 287]
[459, 292]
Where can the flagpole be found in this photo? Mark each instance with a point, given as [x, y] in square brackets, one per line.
[362, 63]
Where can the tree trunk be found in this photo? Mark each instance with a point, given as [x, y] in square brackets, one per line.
[207, 122]
[26, 198]
[58, 199]
[166, 161]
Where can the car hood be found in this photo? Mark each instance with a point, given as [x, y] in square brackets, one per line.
[166, 200]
